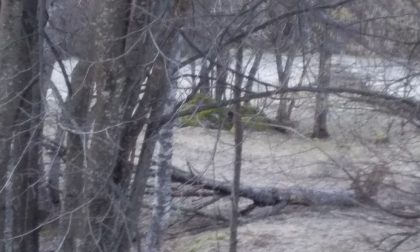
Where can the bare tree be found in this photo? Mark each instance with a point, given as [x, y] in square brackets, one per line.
[321, 108]
[252, 72]
[22, 110]
[110, 79]
[162, 202]
[238, 154]
[12, 81]
[163, 190]
[284, 42]
[118, 119]
[73, 221]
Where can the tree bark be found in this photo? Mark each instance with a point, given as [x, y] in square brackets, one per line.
[163, 190]
[238, 154]
[283, 114]
[142, 169]
[204, 82]
[162, 197]
[163, 72]
[72, 223]
[110, 78]
[53, 176]
[270, 196]
[27, 151]
[222, 74]
[27, 154]
[21, 117]
[135, 109]
[146, 154]
[162, 204]
[12, 80]
[252, 73]
[321, 107]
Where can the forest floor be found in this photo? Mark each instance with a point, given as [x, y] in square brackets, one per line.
[358, 143]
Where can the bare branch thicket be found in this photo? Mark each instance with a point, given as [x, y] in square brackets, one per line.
[121, 103]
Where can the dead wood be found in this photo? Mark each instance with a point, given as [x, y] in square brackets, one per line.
[270, 196]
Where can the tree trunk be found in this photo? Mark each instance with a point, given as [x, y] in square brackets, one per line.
[221, 74]
[162, 198]
[135, 110]
[162, 204]
[72, 223]
[27, 154]
[193, 67]
[270, 196]
[204, 75]
[12, 81]
[321, 107]
[152, 101]
[142, 170]
[110, 78]
[162, 73]
[27, 150]
[53, 175]
[18, 40]
[283, 114]
[239, 77]
[238, 154]
[252, 73]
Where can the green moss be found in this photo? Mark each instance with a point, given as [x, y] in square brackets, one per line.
[189, 121]
[209, 118]
[198, 100]
[252, 117]
[256, 122]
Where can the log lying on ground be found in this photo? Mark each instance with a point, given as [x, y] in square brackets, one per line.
[270, 196]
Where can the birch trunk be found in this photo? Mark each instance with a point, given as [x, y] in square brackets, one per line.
[162, 203]
[160, 79]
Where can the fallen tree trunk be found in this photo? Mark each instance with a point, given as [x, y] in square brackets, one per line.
[270, 196]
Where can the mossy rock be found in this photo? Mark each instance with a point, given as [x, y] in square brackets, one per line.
[252, 117]
[209, 118]
[197, 100]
